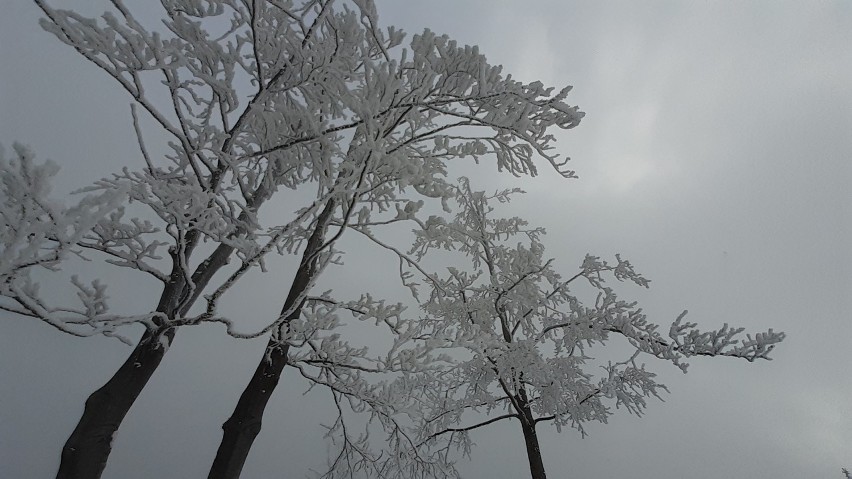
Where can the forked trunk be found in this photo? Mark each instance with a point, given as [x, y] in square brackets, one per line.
[85, 453]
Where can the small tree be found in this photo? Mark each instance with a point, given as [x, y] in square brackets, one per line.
[335, 110]
[526, 340]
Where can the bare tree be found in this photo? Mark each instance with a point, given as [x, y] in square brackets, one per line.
[336, 111]
[527, 345]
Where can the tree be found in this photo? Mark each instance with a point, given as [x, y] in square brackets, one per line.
[337, 113]
[428, 104]
[527, 343]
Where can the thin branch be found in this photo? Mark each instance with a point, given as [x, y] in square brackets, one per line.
[470, 428]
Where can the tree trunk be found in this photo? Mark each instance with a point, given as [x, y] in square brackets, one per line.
[533, 451]
[84, 455]
[241, 429]
[530, 437]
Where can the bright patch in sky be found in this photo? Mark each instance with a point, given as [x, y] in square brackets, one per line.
[624, 172]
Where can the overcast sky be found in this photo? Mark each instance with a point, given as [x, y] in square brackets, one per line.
[715, 155]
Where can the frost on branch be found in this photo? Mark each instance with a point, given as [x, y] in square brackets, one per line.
[371, 434]
[40, 233]
[530, 340]
[335, 105]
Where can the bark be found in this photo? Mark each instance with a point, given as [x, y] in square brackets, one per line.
[530, 436]
[533, 451]
[241, 429]
[85, 453]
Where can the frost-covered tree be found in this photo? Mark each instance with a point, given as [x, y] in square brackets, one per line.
[253, 99]
[421, 106]
[528, 346]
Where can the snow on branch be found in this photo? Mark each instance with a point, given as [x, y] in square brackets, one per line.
[528, 340]
[40, 233]
[338, 105]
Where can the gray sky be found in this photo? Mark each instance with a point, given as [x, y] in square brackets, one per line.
[715, 155]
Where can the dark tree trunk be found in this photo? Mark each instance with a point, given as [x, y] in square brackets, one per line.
[530, 437]
[533, 451]
[85, 453]
[241, 429]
